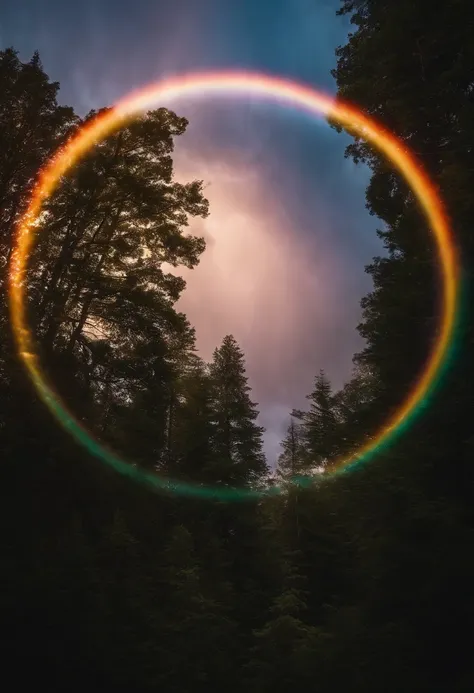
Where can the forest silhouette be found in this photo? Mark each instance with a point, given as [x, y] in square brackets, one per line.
[361, 584]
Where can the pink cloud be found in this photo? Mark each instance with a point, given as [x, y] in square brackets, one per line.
[257, 278]
[269, 284]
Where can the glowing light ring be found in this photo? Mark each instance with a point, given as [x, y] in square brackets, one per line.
[297, 96]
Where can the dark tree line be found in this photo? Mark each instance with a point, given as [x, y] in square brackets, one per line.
[362, 582]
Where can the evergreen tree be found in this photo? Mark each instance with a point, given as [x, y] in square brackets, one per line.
[194, 429]
[422, 90]
[319, 424]
[238, 438]
[353, 406]
[293, 462]
[110, 227]
[32, 125]
[104, 306]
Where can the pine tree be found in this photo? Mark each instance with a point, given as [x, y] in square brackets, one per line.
[294, 460]
[238, 439]
[110, 227]
[193, 428]
[104, 305]
[354, 409]
[319, 424]
[32, 126]
[422, 91]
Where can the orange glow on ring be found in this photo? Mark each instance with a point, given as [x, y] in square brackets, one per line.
[292, 94]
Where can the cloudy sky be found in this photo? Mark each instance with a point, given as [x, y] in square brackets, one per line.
[288, 235]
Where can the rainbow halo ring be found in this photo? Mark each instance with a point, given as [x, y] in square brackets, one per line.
[291, 94]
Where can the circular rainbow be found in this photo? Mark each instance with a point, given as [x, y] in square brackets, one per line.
[297, 96]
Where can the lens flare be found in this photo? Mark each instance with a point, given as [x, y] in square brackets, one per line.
[296, 96]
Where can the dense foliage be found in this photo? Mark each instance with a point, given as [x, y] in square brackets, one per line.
[360, 583]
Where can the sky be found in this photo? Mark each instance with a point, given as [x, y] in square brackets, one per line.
[288, 234]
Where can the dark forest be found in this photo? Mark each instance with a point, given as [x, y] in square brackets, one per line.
[362, 582]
